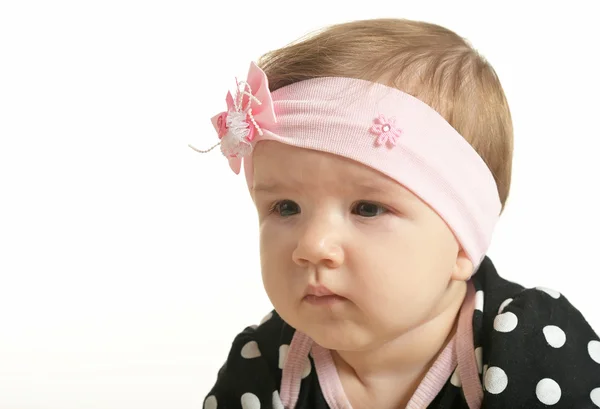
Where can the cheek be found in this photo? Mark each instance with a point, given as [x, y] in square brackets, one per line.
[383, 270]
[429, 249]
[405, 273]
[277, 242]
[275, 257]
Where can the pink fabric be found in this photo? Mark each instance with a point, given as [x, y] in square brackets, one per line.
[436, 378]
[458, 352]
[467, 364]
[293, 368]
[423, 152]
[329, 380]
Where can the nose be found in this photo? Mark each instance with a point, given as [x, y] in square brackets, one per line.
[319, 244]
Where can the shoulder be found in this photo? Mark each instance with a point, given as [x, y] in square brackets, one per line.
[541, 351]
[251, 371]
[272, 336]
[263, 341]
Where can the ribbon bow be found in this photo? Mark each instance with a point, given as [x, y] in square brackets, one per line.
[246, 116]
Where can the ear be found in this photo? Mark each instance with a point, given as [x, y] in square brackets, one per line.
[463, 268]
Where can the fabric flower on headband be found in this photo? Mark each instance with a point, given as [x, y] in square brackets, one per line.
[386, 129]
[246, 116]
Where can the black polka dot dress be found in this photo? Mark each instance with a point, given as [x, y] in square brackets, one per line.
[532, 347]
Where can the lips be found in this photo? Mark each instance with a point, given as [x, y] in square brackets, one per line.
[322, 296]
[319, 291]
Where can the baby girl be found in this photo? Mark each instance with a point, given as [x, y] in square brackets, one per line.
[378, 154]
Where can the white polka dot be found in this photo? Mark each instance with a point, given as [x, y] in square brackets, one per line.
[250, 401]
[550, 292]
[485, 368]
[254, 326]
[595, 396]
[283, 352]
[479, 358]
[479, 300]
[250, 350]
[277, 404]
[504, 304]
[210, 402]
[548, 391]
[555, 336]
[495, 380]
[594, 350]
[455, 380]
[307, 368]
[266, 318]
[505, 322]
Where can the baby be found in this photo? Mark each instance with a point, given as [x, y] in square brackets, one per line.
[378, 154]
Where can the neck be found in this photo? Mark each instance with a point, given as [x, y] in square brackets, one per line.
[405, 359]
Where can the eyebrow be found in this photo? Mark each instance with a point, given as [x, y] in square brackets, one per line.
[399, 191]
[372, 188]
[267, 187]
[364, 187]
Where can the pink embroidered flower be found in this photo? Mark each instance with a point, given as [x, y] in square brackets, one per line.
[386, 129]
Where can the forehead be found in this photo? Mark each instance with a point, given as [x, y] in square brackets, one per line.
[280, 165]
[274, 160]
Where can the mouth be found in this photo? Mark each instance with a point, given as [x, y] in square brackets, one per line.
[320, 295]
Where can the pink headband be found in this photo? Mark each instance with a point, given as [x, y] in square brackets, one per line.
[378, 126]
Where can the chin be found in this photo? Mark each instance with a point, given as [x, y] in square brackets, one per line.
[341, 343]
[340, 337]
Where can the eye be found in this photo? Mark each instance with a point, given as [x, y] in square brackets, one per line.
[285, 208]
[368, 209]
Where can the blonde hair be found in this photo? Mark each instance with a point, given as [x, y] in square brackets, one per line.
[428, 61]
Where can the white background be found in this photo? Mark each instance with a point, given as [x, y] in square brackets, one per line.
[128, 262]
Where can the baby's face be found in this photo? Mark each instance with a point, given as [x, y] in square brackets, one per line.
[329, 225]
